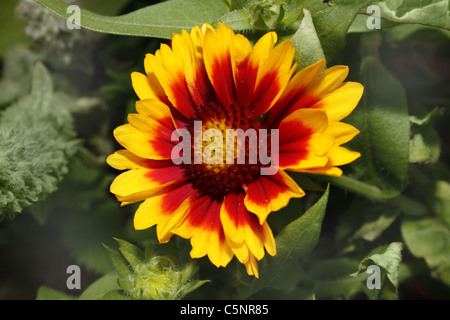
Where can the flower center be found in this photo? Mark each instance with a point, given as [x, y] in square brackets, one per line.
[226, 141]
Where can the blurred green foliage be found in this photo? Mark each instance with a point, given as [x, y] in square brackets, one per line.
[60, 103]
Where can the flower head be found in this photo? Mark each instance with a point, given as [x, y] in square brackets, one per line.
[211, 84]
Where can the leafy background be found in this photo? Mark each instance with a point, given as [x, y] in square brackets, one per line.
[63, 92]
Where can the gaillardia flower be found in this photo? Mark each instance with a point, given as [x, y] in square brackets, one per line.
[215, 81]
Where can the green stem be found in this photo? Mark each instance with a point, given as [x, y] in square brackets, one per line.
[358, 187]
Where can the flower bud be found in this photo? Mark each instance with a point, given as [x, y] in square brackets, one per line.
[266, 14]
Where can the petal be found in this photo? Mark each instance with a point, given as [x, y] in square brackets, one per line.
[273, 75]
[252, 267]
[157, 209]
[327, 171]
[269, 240]
[263, 47]
[145, 137]
[340, 103]
[199, 86]
[342, 132]
[339, 156]
[156, 129]
[308, 90]
[203, 226]
[242, 229]
[217, 60]
[138, 184]
[271, 193]
[142, 86]
[244, 71]
[197, 211]
[303, 77]
[302, 123]
[294, 96]
[331, 79]
[164, 230]
[302, 140]
[154, 119]
[149, 133]
[170, 74]
[124, 159]
[157, 111]
[232, 215]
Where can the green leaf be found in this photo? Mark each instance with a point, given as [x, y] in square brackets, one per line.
[119, 263]
[133, 254]
[439, 200]
[367, 220]
[296, 240]
[388, 259]
[238, 20]
[188, 271]
[371, 230]
[279, 15]
[37, 139]
[46, 293]
[383, 120]
[236, 4]
[359, 24]
[429, 239]
[332, 23]
[369, 226]
[105, 7]
[265, 15]
[331, 278]
[117, 294]
[18, 63]
[42, 87]
[300, 236]
[342, 288]
[421, 121]
[308, 47]
[425, 146]
[160, 20]
[425, 143]
[293, 11]
[100, 287]
[191, 285]
[435, 13]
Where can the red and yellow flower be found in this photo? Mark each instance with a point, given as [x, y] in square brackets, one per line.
[217, 77]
